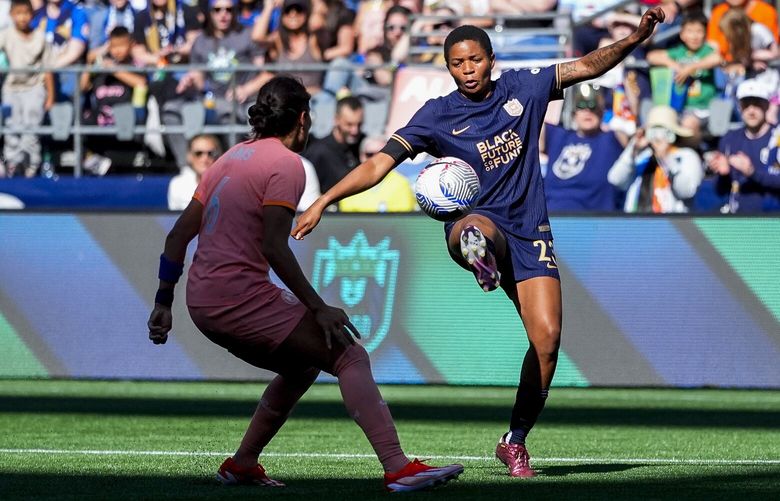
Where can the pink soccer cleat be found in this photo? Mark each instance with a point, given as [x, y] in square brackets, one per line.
[417, 475]
[516, 457]
[481, 258]
[232, 474]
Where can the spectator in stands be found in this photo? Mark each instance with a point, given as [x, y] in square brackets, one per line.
[67, 32]
[393, 194]
[669, 175]
[202, 151]
[164, 34]
[224, 44]
[751, 46]
[692, 62]
[579, 159]
[396, 36]
[757, 10]
[742, 161]
[331, 22]
[28, 95]
[106, 90]
[338, 153]
[104, 20]
[294, 43]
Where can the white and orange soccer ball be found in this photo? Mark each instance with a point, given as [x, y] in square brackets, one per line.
[447, 188]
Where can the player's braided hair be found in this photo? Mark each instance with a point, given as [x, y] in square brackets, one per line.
[279, 104]
[467, 32]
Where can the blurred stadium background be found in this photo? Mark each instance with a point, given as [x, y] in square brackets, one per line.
[656, 308]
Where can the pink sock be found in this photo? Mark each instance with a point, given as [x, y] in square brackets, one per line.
[366, 406]
[275, 406]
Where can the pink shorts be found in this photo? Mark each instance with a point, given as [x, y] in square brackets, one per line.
[253, 328]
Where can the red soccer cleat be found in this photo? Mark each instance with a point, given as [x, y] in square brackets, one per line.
[417, 475]
[480, 256]
[516, 457]
[232, 474]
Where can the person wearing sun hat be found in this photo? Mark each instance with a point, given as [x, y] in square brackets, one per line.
[659, 175]
[748, 176]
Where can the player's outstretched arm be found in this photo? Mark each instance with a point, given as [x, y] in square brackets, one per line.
[601, 60]
[364, 176]
[171, 266]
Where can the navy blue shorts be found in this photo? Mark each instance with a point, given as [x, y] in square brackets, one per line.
[524, 258]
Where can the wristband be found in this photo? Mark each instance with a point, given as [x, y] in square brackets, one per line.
[164, 297]
[169, 271]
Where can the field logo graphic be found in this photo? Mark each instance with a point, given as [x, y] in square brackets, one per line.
[363, 279]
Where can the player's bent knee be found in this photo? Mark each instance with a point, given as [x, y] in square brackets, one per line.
[354, 354]
[546, 339]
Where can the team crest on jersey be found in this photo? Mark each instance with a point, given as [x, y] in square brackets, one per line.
[513, 107]
[361, 279]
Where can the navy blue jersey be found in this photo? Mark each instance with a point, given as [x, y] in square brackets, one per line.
[764, 185]
[499, 138]
[577, 170]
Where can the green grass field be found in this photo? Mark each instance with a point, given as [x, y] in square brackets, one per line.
[132, 440]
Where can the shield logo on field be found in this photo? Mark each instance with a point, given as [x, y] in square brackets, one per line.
[362, 279]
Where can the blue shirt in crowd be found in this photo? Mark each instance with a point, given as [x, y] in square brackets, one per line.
[577, 170]
[761, 191]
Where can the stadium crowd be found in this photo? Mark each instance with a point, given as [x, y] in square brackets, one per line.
[687, 123]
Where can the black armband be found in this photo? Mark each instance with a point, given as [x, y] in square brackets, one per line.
[164, 297]
[397, 148]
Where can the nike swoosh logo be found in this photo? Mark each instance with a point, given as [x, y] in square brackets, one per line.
[458, 132]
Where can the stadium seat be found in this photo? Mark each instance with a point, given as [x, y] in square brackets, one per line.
[193, 116]
[61, 116]
[124, 119]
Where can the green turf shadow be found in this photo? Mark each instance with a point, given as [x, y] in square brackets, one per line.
[759, 483]
[435, 411]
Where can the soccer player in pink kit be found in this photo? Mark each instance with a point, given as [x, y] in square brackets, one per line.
[242, 213]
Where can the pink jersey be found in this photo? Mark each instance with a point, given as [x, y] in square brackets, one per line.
[229, 265]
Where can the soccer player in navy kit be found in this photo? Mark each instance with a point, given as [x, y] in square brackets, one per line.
[506, 240]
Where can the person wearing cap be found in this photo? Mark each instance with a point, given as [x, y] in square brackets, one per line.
[579, 159]
[747, 179]
[659, 175]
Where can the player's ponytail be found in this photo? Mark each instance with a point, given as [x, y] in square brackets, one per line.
[279, 104]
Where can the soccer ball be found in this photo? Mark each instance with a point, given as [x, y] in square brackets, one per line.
[447, 188]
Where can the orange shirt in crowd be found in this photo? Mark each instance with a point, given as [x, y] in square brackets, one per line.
[758, 11]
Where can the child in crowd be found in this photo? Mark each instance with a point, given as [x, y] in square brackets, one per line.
[692, 62]
[28, 95]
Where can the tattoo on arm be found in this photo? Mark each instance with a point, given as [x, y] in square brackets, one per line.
[595, 63]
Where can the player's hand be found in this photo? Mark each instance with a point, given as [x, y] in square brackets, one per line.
[334, 322]
[307, 221]
[160, 323]
[649, 19]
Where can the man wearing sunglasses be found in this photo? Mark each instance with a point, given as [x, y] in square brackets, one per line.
[202, 151]
[579, 159]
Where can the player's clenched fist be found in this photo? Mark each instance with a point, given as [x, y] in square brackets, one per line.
[649, 20]
[160, 323]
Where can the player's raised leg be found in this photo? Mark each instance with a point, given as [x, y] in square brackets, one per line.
[538, 301]
[478, 245]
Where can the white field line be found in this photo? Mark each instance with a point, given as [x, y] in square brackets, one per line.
[327, 455]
